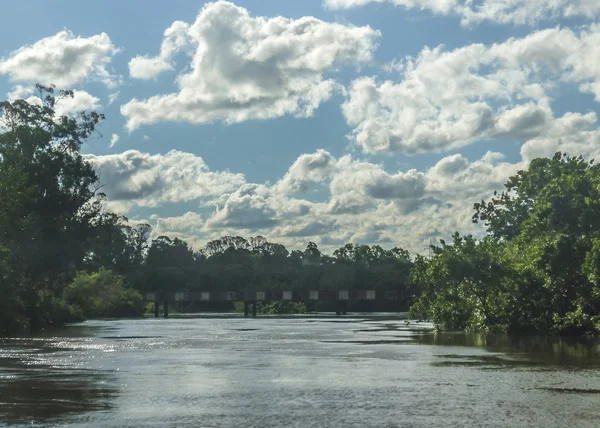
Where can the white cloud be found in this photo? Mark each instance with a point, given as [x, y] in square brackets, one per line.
[81, 101]
[63, 60]
[527, 11]
[455, 177]
[499, 11]
[248, 67]
[113, 97]
[146, 138]
[187, 224]
[363, 203]
[446, 100]
[65, 106]
[175, 39]
[249, 207]
[437, 6]
[20, 92]
[152, 180]
[114, 140]
[574, 134]
[188, 227]
[307, 170]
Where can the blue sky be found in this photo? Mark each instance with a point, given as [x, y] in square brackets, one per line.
[366, 121]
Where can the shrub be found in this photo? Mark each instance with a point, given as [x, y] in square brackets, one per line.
[103, 294]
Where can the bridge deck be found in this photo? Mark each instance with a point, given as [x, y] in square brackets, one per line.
[285, 295]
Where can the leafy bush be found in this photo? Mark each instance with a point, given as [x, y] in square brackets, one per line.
[275, 308]
[52, 310]
[103, 294]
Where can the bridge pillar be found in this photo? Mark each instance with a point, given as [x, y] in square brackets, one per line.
[246, 308]
[254, 309]
[156, 308]
[166, 312]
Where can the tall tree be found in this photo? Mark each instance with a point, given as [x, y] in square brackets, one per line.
[52, 190]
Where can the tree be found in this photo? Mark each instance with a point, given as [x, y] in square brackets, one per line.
[552, 218]
[537, 270]
[169, 265]
[553, 194]
[52, 190]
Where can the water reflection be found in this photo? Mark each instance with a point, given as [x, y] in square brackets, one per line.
[39, 383]
[531, 351]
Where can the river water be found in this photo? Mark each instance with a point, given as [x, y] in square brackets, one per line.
[294, 372]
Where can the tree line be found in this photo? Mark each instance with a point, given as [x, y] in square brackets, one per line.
[64, 256]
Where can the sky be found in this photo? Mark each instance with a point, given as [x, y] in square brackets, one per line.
[332, 121]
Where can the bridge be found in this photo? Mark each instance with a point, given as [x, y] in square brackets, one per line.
[251, 298]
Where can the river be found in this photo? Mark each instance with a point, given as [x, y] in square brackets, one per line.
[294, 372]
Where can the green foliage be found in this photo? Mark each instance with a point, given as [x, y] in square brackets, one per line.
[464, 285]
[103, 294]
[55, 223]
[52, 310]
[538, 271]
[11, 306]
[280, 308]
[149, 309]
[53, 198]
[274, 308]
[238, 307]
[52, 188]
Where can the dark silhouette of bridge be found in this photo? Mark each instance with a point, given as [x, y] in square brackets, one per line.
[251, 298]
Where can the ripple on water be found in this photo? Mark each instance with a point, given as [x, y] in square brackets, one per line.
[364, 372]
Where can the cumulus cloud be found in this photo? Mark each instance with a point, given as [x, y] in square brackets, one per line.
[358, 185]
[246, 67]
[307, 170]
[448, 99]
[81, 101]
[63, 59]
[360, 201]
[307, 228]
[455, 177]
[499, 11]
[574, 134]
[20, 92]
[175, 39]
[249, 207]
[152, 180]
[186, 224]
[67, 106]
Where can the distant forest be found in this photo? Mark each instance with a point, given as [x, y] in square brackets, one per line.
[64, 256]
